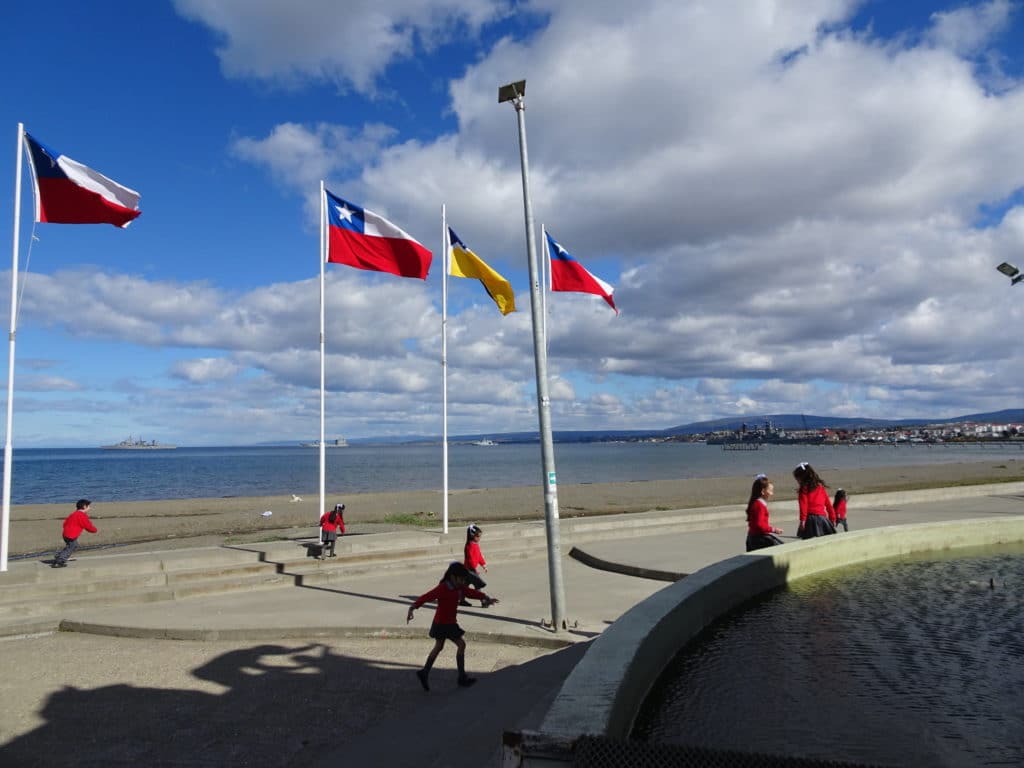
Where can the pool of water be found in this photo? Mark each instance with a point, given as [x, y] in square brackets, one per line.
[916, 662]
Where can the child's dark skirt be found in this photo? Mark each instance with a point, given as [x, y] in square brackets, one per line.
[762, 540]
[817, 525]
[474, 579]
[446, 631]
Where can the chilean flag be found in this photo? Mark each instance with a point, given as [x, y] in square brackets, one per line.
[567, 274]
[68, 192]
[364, 240]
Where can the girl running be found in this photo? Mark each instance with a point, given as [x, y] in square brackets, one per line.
[445, 627]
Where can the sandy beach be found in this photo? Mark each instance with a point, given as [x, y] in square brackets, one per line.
[180, 522]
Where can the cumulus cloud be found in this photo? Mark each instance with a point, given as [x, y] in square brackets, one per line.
[205, 369]
[300, 156]
[967, 30]
[350, 44]
[790, 208]
[789, 201]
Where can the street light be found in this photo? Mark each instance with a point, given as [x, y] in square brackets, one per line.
[1011, 272]
[516, 93]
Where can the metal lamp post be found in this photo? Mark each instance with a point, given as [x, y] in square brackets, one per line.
[515, 93]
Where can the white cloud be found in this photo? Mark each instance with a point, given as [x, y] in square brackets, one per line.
[967, 30]
[48, 384]
[351, 43]
[204, 370]
[788, 210]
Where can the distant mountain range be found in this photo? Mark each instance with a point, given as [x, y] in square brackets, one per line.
[785, 421]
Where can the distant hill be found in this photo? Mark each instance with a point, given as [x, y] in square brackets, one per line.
[786, 421]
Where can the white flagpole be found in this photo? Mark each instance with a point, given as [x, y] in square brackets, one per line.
[545, 283]
[5, 524]
[445, 249]
[323, 377]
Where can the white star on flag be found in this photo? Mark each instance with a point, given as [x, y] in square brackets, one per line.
[344, 212]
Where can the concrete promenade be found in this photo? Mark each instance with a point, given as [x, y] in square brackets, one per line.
[317, 673]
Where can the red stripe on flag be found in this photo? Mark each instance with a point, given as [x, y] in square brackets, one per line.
[571, 276]
[405, 258]
[61, 201]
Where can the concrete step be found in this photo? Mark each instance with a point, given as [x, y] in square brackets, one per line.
[14, 611]
[32, 591]
[17, 611]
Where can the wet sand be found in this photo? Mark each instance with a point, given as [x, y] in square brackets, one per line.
[194, 522]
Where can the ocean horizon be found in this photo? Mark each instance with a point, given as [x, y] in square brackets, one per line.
[52, 476]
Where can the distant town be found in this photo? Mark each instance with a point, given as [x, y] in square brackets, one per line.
[750, 432]
[767, 432]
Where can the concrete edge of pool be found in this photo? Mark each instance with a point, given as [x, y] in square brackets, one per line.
[603, 694]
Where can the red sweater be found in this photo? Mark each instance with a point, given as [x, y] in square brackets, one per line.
[447, 596]
[338, 524]
[841, 510]
[757, 518]
[815, 501]
[474, 557]
[77, 522]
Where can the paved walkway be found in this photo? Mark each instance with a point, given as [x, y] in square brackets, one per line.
[308, 676]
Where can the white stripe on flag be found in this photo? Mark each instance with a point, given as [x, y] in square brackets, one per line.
[94, 181]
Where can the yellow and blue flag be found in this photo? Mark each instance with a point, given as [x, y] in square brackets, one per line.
[465, 263]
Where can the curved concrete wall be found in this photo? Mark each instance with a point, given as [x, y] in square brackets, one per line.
[606, 689]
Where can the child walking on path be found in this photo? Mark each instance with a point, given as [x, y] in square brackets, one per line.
[74, 524]
[331, 524]
[473, 558]
[817, 517]
[839, 504]
[760, 533]
[445, 627]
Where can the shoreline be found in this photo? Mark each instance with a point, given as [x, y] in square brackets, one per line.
[181, 522]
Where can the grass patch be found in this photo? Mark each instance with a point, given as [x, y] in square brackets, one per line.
[410, 518]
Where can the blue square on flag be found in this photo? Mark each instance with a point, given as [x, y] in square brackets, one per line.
[345, 215]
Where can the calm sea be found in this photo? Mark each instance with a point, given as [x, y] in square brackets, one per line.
[44, 476]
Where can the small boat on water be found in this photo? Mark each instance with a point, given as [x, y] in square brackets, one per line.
[483, 442]
[341, 442]
[138, 445]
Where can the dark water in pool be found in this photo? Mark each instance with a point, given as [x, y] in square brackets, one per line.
[916, 662]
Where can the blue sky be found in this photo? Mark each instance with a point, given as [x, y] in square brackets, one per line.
[800, 205]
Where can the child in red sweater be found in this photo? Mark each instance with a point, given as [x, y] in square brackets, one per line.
[839, 505]
[761, 533]
[473, 558]
[445, 627]
[817, 517]
[74, 524]
[331, 524]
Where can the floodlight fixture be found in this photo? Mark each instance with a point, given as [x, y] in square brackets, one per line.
[1011, 272]
[512, 91]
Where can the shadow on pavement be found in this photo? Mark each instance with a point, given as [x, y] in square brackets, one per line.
[294, 704]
